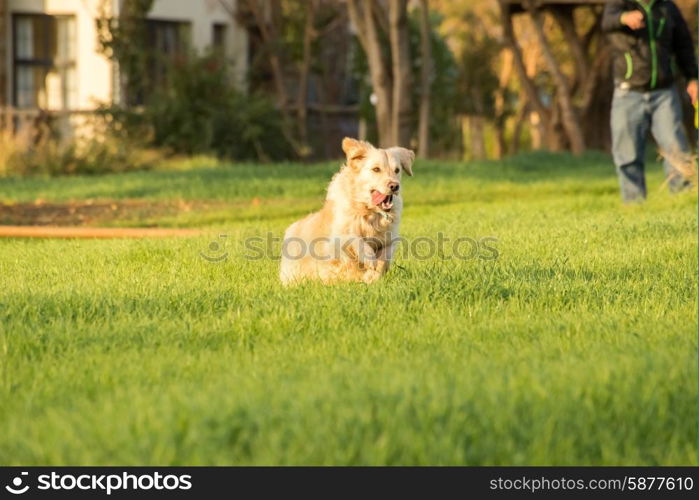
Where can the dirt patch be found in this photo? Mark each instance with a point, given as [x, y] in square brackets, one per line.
[89, 212]
[73, 232]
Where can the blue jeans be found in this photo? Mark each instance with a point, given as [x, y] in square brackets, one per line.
[633, 114]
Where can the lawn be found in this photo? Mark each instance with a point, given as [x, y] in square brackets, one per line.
[577, 345]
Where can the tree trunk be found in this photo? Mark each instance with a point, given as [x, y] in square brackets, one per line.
[565, 19]
[478, 137]
[302, 97]
[569, 117]
[3, 54]
[596, 102]
[520, 118]
[478, 125]
[556, 136]
[382, 85]
[425, 81]
[268, 34]
[402, 73]
[600, 65]
[328, 148]
[527, 83]
[500, 103]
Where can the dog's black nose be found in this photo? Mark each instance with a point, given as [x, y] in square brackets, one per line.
[393, 186]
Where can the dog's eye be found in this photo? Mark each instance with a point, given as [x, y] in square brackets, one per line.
[397, 170]
[376, 169]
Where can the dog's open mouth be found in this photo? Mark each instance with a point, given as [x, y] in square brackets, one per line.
[383, 201]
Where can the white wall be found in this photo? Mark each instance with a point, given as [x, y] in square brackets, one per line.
[95, 72]
[203, 14]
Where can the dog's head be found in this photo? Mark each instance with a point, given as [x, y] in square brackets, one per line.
[377, 172]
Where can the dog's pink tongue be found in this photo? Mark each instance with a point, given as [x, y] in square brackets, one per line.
[378, 198]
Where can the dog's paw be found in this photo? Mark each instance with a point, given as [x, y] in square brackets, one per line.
[371, 276]
[371, 264]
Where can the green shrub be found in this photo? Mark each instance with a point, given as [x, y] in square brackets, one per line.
[196, 112]
[38, 149]
[199, 112]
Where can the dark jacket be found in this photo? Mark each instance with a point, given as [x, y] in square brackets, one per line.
[643, 59]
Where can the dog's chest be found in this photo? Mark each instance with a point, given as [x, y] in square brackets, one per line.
[376, 230]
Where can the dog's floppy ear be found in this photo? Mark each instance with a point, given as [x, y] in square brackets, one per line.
[354, 149]
[405, 157]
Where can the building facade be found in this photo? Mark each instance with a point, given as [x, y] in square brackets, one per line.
[50, 57]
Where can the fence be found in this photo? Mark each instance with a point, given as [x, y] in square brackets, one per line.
[38, 124]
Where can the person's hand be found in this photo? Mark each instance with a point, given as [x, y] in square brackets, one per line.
[633, 19]
[692, 89]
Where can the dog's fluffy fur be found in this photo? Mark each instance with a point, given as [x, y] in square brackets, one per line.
[352, 237]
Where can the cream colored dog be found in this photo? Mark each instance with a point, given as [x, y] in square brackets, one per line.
[352, 237]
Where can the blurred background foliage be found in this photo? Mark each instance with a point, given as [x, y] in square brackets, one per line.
[312, 80]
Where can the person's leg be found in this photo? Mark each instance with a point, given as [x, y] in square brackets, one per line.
[630, 122]
[670, 135]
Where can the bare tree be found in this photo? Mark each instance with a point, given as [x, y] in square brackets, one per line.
[267, 16]
[309, 34]
[390, 73]
[581, 99]
[402, 72]
[263, 12]
[528, 86]
[426, 72]
[500, 101]
[3, 52]
[564, 15]
[364, 20]
[569, 116]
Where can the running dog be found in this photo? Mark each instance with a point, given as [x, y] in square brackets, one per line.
[352, 238]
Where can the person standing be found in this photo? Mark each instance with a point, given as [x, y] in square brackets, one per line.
[645, 37]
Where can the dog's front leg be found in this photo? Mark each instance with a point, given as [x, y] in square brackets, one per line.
[384, 258]
[383, 263]
[350, 248]
[368, 259]
[354, 259]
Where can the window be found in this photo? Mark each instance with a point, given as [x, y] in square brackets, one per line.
[44, 62]
[167, 41]
[218, 38]
[169, 38]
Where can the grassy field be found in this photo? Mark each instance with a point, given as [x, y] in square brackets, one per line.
[577, 345]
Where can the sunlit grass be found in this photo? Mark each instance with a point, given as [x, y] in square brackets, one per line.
[576, 346]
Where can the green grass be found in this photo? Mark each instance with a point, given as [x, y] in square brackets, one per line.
[576, 346]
